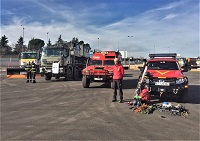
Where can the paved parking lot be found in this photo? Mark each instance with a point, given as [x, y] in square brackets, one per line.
[64, 110]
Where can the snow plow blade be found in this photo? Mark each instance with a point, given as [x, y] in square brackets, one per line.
[18, 73]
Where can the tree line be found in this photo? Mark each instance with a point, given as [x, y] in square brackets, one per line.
[33, 45]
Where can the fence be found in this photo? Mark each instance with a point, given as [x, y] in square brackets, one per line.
[9, 61]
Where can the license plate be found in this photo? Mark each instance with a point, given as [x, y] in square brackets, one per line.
[98, 78]
[162, 83]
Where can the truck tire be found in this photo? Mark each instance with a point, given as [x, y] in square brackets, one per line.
[69, 74]
[76, 74]
[47, 77]
[85, 82]
[57, 77]
[111, 85]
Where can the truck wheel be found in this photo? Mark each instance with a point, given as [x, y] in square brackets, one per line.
[85, 82]
[76, 74]
[111, 85]
[69, 74]
[47, 77]
[57, 77]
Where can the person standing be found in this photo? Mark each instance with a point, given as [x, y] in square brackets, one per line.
[28, 72]
[118, 73]
[33, 71]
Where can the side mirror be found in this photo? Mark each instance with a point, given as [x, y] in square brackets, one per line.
[184, 69]
[88, 62]
[148, 74]
[144, 61]
[38, 56]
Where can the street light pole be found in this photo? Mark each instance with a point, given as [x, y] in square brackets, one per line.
[47, 37]
[98, 43]
[129, 48]
[129, 40]
[22, 36]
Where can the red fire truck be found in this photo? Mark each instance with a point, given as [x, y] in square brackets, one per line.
[100, 68]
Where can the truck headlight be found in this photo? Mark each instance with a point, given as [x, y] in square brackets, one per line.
[110, 72]
[86, 72]
[181, 80]
[42, 69]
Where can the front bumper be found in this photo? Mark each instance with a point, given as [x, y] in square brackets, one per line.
[99, 78]
[168, 89]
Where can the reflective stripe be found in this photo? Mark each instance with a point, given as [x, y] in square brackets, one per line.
[28, 67]
[33, 68]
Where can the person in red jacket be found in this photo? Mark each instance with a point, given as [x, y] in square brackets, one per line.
[118, 73]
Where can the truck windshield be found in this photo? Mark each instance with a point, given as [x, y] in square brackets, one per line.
[162, 65]
[27, 55]
[52, 51]
[95, 62]
[109, 63]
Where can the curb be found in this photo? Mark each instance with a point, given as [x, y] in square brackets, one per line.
[195, 70]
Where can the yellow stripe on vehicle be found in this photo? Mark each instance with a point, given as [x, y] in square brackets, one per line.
[162, 73]
[161, 77]
[27, 60]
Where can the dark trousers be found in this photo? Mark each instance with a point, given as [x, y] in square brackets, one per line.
[117, 84]
[28, 76]
[33, 76]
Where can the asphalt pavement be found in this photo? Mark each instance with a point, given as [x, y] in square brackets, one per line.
[64, 110]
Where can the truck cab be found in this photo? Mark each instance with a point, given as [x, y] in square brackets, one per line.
[99, 68]
[26, 57]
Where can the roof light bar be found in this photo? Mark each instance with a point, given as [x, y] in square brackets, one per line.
[172, 55]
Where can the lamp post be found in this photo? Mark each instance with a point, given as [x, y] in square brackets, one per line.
[129, 52]
[22, 36]
[47, 37]
[98, 43]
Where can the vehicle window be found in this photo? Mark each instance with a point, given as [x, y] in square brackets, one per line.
[53, 51]
[28, 55]
[108, 63]
[162, 65]
[95, 62]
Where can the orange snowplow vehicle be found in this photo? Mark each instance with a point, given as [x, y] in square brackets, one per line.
[100, 68]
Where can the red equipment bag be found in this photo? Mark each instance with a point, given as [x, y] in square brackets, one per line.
[145, 96]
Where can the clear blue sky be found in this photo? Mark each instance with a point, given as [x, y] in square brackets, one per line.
[154, 25]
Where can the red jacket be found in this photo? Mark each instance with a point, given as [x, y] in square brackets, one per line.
[118, 72]
[145, 96]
